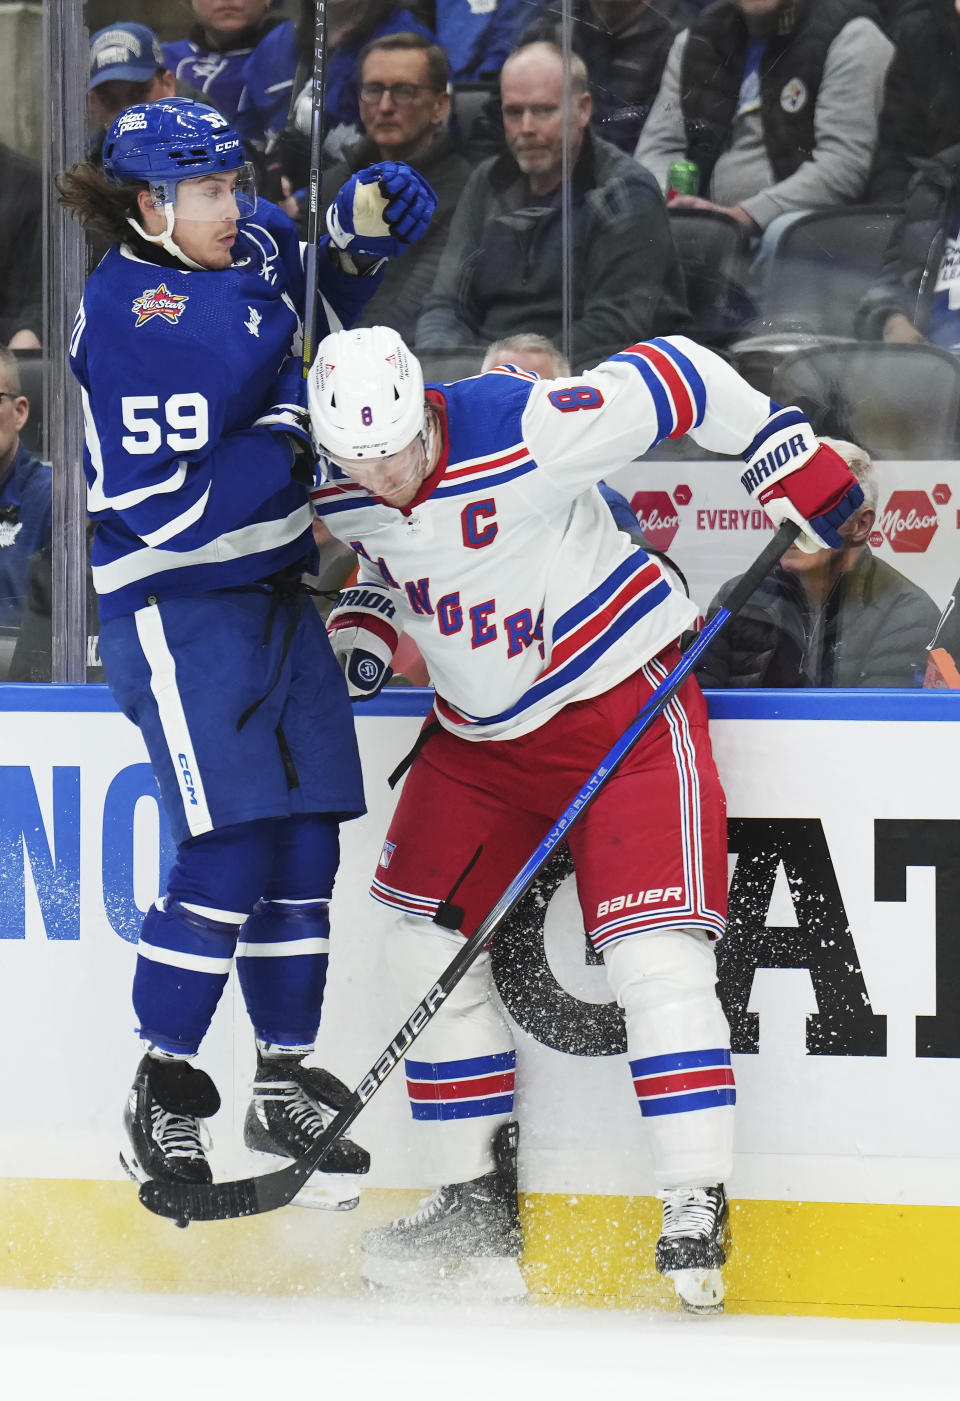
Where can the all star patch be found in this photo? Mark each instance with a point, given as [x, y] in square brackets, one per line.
[157, 301]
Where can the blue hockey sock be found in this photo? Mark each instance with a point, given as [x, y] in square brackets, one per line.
[183, 961]
[282, 967]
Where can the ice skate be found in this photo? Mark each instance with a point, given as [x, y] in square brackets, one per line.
[292, 1105]
[464, 1240]
[693, 1245]
[167, 1103]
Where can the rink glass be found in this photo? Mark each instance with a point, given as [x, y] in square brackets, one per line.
[43, 117]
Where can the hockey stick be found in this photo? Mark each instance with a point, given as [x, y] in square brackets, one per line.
[316, 158]
[221, 1200]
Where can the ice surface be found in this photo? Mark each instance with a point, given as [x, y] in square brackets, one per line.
[114, 1347]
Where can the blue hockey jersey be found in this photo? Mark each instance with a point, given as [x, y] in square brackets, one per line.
[174, 367]
[217, 72]
[477, 35]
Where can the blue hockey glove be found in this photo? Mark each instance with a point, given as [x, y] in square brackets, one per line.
[381, 210]
[412, 200]
[290, 417]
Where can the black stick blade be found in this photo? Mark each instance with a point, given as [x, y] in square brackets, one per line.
[186, 1202]
[224, 1201]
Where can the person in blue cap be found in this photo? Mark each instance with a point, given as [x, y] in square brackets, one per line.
[126, 66]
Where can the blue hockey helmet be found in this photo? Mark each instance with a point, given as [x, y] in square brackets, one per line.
[168, 141]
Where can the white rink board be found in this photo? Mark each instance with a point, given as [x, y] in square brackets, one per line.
[849, 1127]
[707, 523]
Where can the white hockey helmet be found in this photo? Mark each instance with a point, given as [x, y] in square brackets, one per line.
[365, 394]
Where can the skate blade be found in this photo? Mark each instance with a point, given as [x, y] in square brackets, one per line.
[330, 1192]
[699, 1291]
[324, 1191]
[133, 1169]
[470, 1278]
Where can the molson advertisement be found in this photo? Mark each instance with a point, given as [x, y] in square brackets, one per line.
[699, 514]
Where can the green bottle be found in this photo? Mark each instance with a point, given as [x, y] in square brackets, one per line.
[683, 178]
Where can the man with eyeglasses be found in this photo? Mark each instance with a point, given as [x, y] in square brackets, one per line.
[503, 267]
[404, 103]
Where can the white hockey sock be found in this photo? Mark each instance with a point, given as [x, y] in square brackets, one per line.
[460, 1071]
[678, 1043]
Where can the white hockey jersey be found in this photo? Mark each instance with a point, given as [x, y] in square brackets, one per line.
[507, 569]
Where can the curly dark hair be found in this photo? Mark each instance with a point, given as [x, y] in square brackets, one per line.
[99, 205]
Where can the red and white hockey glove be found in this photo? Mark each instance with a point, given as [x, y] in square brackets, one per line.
[793, 477]
[364, 638]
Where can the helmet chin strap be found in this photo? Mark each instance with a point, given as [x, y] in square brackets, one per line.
[431, 441]
[165, 239]
[430, 445]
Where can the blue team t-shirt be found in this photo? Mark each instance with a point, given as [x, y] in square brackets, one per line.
[944, 324]
[24, 528]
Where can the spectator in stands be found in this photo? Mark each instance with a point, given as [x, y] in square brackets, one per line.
[838, 617]
[210, 58]
[126, 66]
[404, 105]
[278, 75]
[21, 249]
[527, 351]
[24, 495]
[502, 269]
[917, 297]
[624, 44]
[478, 37]
[921, 106]
[776, 101]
